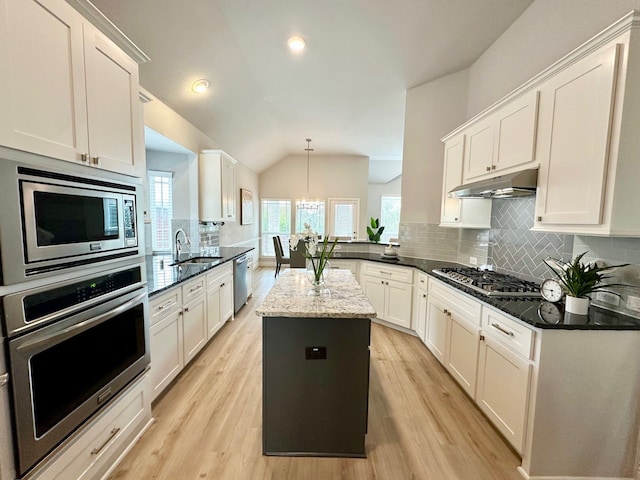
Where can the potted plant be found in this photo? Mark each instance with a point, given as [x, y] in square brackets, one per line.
[375, 230]
[580, 280]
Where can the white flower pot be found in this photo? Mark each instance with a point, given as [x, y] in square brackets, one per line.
[579, 306]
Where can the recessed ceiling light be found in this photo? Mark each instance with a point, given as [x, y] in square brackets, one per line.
[297, 44]
[200, 86]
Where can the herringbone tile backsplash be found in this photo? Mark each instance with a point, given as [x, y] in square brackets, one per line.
[516, 250]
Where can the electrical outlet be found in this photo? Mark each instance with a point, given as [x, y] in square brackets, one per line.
[606, 297]
[473, 260]
[633, 303]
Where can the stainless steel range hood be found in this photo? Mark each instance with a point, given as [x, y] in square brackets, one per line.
[519, 184]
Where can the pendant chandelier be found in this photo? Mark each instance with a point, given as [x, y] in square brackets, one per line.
[307, 204]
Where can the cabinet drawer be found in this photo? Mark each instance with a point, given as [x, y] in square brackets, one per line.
[93, 453]
[214, 278]
[193, 289]
[162, 305]
[466, 307]
[422, 282]
[381, 270]
[508, 331]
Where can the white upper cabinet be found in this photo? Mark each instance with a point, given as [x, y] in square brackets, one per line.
[68, 92]
[460, 213]
[114, 113]
[578, 105]
[577, 121]
[217, 186]
[503, 141]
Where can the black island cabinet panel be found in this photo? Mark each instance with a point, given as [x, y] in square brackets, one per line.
[315, 386]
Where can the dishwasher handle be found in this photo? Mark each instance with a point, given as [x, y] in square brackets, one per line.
[241, 259]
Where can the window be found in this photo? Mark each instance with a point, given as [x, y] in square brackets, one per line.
[311, 213]
[390, 216]
[276, 220]
[160, 209]
[344, 214]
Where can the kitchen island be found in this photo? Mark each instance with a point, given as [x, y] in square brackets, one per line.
[315, 367]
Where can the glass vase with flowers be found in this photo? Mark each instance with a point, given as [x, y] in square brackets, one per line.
[317, 254]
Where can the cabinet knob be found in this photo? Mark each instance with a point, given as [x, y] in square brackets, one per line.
[456, 219]
[186, 309]
[482, 338]
[445, 311]
[539, 219]
[488, 169]
[424, 295]
[84, 157]
[493, 167]
[95, 160]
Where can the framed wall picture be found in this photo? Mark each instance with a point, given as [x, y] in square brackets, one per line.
[246, 207]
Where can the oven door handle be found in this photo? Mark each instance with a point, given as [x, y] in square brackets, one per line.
[55, 338]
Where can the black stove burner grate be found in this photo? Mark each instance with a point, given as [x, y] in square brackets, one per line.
[490, 283]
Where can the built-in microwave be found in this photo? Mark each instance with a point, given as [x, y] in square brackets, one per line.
[53, 221]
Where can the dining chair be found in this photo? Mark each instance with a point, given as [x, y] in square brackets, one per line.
[280, 258]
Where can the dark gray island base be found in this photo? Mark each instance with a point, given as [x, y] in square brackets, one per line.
[315, 386]
[315, 380]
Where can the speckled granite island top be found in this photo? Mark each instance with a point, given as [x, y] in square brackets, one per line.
[290, 297]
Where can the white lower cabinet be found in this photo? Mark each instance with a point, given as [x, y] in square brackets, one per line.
[390, 290]
[436, 329]
[194, 318]
[503, 389]
[95, 451]
[167, 351]
[453, 331]
[165, 331]
[219, 298]
[421, 291]
[183, 319]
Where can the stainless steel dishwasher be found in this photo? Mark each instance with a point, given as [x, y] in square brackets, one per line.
[239, 282]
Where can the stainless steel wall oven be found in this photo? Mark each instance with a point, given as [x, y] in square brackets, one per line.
[54, 221]
[72, 346]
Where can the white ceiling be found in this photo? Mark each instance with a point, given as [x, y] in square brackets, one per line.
[346, 91]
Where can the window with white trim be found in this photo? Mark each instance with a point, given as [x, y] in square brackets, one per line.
[390, 216]
[275, 220]
[160, 209]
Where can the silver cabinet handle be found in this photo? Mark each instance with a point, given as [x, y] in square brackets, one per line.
[4, 378]
[506, 332]
[166, 305]
[95, 160]
[85, 157]
[385, 273]
[191, 290]
[113, 433]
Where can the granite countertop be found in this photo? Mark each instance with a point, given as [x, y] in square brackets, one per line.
[162, 274]
[532, 311]
[290, 297]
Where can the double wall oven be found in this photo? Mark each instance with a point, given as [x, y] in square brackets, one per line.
[74, 304]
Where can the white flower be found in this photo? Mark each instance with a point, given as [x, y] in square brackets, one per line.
[293, 242]
[312, 247]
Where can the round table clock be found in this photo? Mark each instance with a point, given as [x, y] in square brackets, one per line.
[551, 290]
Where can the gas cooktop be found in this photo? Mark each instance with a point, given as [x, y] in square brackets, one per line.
[490, 283]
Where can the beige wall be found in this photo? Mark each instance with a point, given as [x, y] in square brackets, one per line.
[432, 110]
[377, 190]
[337, 176]
[544, 33]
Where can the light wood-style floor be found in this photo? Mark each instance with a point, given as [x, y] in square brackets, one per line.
[421, 424]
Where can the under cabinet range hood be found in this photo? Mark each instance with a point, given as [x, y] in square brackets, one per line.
[519, 184]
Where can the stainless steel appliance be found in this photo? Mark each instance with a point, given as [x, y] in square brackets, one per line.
[72, 346]
[54, 221]
[490, 283]
[240, 288]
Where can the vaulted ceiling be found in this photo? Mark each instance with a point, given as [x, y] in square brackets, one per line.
[346, 91]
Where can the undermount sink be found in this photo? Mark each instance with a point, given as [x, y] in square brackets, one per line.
[197, 261]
